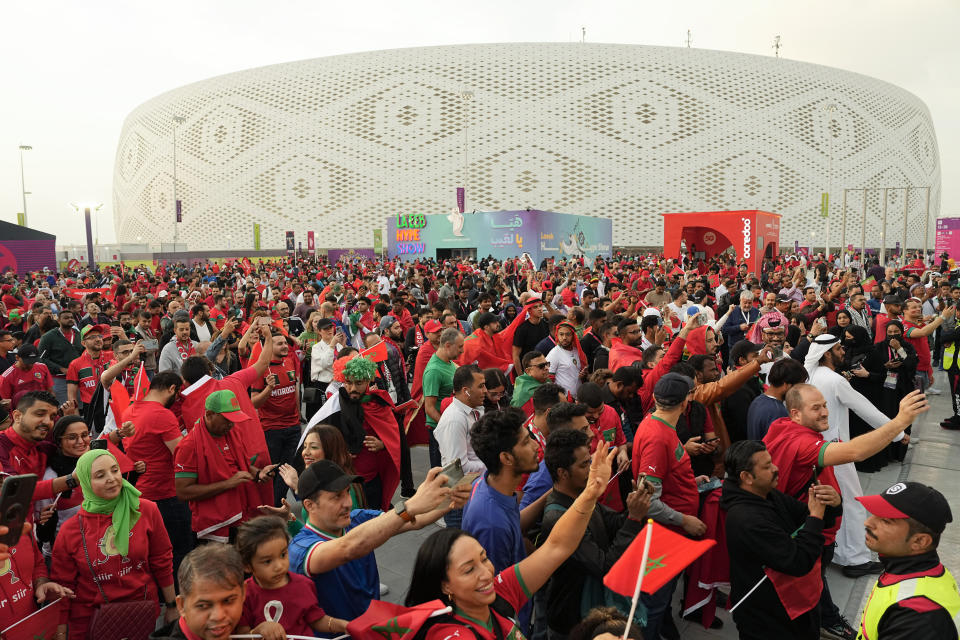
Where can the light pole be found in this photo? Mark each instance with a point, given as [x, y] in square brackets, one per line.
[177, 121]
[86, 207]
[830, 109]
[466, 97]
[23, 182]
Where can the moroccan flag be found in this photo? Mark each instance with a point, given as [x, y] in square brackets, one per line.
[388, 621]
[376, 353]
[670, 553]
[39, 625]
[797, 594]
[141, 384]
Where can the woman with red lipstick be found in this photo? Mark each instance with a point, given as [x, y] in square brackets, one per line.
[453, 567]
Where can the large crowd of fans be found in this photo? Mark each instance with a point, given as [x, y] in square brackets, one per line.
[221, 448]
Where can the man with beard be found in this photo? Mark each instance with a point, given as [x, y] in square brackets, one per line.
[58, 348]
[568, 364]
[364, 415]
[769, 530]
[215, 472]
[823, 359]
[201, 329]
[659, 455]
[536, 371]
[276, 397]
[24, 447]
[154, 440]
[796, 446]
[391, 333]
[915, 332]
[84, 372]
[530, 332]
[492, 515]
[180, 347]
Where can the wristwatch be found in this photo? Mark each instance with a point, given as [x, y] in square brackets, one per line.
[72, 482]
[401, 510]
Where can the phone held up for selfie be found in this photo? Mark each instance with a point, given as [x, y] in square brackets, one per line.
[16, 496]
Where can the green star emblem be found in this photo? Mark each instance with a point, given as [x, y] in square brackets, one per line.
[388, 630]
[655, 563]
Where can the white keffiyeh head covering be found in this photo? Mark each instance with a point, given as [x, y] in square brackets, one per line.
[819, 346]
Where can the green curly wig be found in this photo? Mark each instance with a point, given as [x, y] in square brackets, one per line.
[359, 369]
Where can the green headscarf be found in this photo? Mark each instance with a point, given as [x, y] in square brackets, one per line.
[125, 507]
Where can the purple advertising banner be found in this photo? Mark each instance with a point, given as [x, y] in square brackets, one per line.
[335, 255]
[948, 237]
[21, 256]
[461, 198]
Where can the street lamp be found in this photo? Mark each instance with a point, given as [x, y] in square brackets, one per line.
[23, 183]
[177, 121]
[831, 110]
[466, 97]
[86, 207]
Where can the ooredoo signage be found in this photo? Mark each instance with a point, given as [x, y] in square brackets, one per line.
[746, 238]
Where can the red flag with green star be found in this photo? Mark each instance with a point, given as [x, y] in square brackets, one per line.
[39, 625]
[670, 553]
[388, 621]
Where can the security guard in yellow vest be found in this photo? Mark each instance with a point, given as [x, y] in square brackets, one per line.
[915, 596]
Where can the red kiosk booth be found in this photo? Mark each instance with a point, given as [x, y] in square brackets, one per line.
[752, 234]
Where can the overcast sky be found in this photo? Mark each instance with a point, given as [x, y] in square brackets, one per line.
[72, 71]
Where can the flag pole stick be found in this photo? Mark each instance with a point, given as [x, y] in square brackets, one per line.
[643, 570]
[748, 593]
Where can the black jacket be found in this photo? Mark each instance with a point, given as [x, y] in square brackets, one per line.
[608, 535]
[911, 619]
[759, 535]
[170, 631]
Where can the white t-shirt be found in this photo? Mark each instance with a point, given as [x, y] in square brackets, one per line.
[565, 367]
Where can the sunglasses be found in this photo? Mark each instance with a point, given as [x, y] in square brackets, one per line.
[542, 365]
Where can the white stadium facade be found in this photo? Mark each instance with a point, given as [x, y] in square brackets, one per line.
[336, 144]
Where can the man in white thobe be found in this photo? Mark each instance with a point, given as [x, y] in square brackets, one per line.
[823, 358]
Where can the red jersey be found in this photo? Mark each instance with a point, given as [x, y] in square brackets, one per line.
[148, 563]
[300, 607]
[282, 408]
[608, 429]
[797, 451]
[154, 425]
[16, 581]
[658, 452]
[920, 345]
[85, 373]
[508, 585]
[880, 329]
[15, 381]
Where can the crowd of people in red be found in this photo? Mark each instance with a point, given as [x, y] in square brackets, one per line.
[226, 445]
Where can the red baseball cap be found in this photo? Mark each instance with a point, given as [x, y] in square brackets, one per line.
[432, 326]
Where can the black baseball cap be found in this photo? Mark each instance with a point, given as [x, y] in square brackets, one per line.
[672, 389]
[783, 298]
[27, 352]
[324, 475]
[892, 299]
[742, 349]
[324, 323]
[914, 500]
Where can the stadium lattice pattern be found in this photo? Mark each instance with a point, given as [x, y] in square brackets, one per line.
[336, 144]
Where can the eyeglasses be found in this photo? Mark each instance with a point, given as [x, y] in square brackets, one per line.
[75, 437]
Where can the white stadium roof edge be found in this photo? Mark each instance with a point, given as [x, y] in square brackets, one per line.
[336, 144]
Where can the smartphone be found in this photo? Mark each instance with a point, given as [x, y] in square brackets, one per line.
[16, 496]
[263, 321]
[100, 443]
[453, 471]
[150, 345]
[711, 440]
